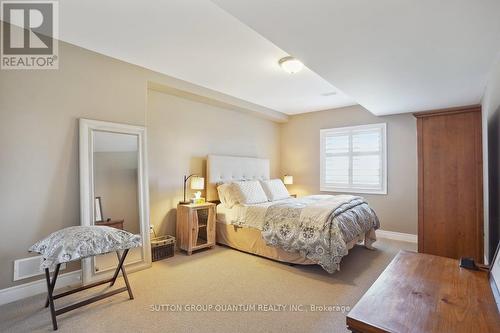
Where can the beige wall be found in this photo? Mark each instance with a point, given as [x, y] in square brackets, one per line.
[181, 133]
[300, 157]
[39, 112]
[491, 145]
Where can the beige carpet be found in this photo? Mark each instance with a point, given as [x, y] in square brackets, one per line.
[219, 277]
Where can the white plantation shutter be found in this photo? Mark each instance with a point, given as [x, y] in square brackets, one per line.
[353, 159]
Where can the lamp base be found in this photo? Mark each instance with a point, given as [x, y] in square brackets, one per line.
[184, 202]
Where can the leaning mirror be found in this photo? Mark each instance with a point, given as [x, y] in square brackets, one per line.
[114, 192]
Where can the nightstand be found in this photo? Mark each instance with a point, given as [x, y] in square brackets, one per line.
[195, 226]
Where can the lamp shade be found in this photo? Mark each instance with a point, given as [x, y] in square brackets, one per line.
[288, 180]
[197, 183]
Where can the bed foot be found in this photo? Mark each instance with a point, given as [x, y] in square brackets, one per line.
[370, 246]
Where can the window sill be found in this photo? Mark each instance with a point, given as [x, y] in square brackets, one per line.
[352, 190]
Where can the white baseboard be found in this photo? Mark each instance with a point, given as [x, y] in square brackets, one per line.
[21, 291]
[397, 236]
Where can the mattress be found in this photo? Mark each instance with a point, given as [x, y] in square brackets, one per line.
[251, 215]
[227, 215]
[248, 238]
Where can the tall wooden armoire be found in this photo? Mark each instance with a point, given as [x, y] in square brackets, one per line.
[450, 183]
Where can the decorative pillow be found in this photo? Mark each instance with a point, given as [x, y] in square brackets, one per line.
[74, 243]
[227, 195]
[249, 192]
[275, 189]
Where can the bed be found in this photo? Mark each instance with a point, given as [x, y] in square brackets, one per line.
[277, 229]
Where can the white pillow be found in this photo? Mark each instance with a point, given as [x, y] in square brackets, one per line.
[249, 192]
[227, 195]
[275, 189]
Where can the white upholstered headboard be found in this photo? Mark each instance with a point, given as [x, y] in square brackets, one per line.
[222, 169]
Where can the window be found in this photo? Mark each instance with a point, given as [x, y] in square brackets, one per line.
[353, 159]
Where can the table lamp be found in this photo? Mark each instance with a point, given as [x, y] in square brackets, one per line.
[197, 183]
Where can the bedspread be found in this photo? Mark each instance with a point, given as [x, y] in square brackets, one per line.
[319, 228]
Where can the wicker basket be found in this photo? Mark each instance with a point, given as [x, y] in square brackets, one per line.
[162, 247]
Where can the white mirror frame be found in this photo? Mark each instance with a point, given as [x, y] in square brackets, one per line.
[87, 192]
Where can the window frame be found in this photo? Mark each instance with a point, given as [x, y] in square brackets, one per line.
[350, 188]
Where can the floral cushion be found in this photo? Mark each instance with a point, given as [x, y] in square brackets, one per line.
[75, 243]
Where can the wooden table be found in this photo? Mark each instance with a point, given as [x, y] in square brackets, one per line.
[118, 224]
[425, 293]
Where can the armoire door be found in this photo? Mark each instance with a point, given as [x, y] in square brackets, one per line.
[450, 183]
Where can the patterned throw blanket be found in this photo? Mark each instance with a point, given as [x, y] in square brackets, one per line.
[319, 228]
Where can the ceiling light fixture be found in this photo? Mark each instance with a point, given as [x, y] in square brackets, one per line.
[291, 65]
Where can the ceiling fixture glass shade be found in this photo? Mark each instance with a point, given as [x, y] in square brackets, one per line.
[291, 65]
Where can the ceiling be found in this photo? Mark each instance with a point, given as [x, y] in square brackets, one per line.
[391, 56]
[198, 42]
